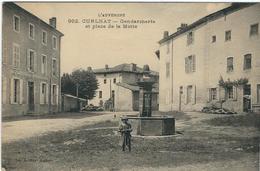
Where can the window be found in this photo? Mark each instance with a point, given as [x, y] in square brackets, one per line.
[54, 94]
[54, 67]
[190, 38]
[105, 81]
[189, 94]
[44, 64]
[230, 67]
[44, 37]
[190, 64]
[31, 60]
[247, 61]
[16, 55]
[16, 23]
[31, 31]
[214, 39]
[16, 91]
[230, 94]
[213, 94]
[167, 69]
[114, 80]
[258, 93]
[43, 95]
[253, 30]
[228, 35]
[54, 42]
[100, 94]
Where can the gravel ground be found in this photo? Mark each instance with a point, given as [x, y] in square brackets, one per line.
[200, 145]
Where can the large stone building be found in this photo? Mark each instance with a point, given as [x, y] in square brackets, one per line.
[30, 63]
[193, 59]
[119, 84]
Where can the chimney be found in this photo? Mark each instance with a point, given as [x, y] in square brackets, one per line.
[165, 34]
[52, 22]
[182, 26]
[106, 66]
[132, 67]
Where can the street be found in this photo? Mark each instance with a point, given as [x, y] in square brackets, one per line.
[203, 142]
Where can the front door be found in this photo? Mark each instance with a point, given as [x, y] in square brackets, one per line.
[31, 96]
[247, 98]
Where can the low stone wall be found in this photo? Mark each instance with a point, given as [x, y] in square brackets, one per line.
[152, 126]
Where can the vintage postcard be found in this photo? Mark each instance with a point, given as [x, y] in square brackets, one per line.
[138, 86]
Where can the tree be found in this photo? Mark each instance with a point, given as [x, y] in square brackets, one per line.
[86, 81]
[67, 84]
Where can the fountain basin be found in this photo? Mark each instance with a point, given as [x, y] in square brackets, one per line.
[152, 126]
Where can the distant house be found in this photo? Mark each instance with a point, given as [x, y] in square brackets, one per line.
[119, 84]
[69, 103]
[30, 63]
[192, 59]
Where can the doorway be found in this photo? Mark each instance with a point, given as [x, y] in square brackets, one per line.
[247, 98]
[31, 96]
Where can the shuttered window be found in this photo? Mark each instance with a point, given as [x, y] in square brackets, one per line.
[253, 30]
[31, 60]
[16, 55]
[16, 91]
[16, 23]
[247, 61]
[190, 64]
[230, 66]
[190, 38]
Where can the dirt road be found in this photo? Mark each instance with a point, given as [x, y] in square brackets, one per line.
[23, 129]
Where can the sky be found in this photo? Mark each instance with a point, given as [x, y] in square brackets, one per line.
[82, 47]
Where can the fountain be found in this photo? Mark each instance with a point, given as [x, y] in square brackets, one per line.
[146, 124]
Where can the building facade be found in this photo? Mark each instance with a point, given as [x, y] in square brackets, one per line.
[30, 63]
[221, 46]
[119, 84]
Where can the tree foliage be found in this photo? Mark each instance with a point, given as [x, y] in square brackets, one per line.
[86, 81]
[229, 83]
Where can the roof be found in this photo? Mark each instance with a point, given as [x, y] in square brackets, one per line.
[135, 87]
[122, 68]
[74, 97]
[11, 4]
[233, 8]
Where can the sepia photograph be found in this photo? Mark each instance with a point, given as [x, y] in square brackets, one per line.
[130, 86]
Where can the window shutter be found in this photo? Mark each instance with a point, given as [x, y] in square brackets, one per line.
[47, 94]
[217, 93]
[193, 63]
[194, 94]
[185, 94]
[57, 95]
[186, 65]
[18, 56]
[234, 93]
[34, 62]
[209, 95]
[28, 60]
[21, 92]
[12, 91]
[51, 94]
[42, 65]
[41, 95]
